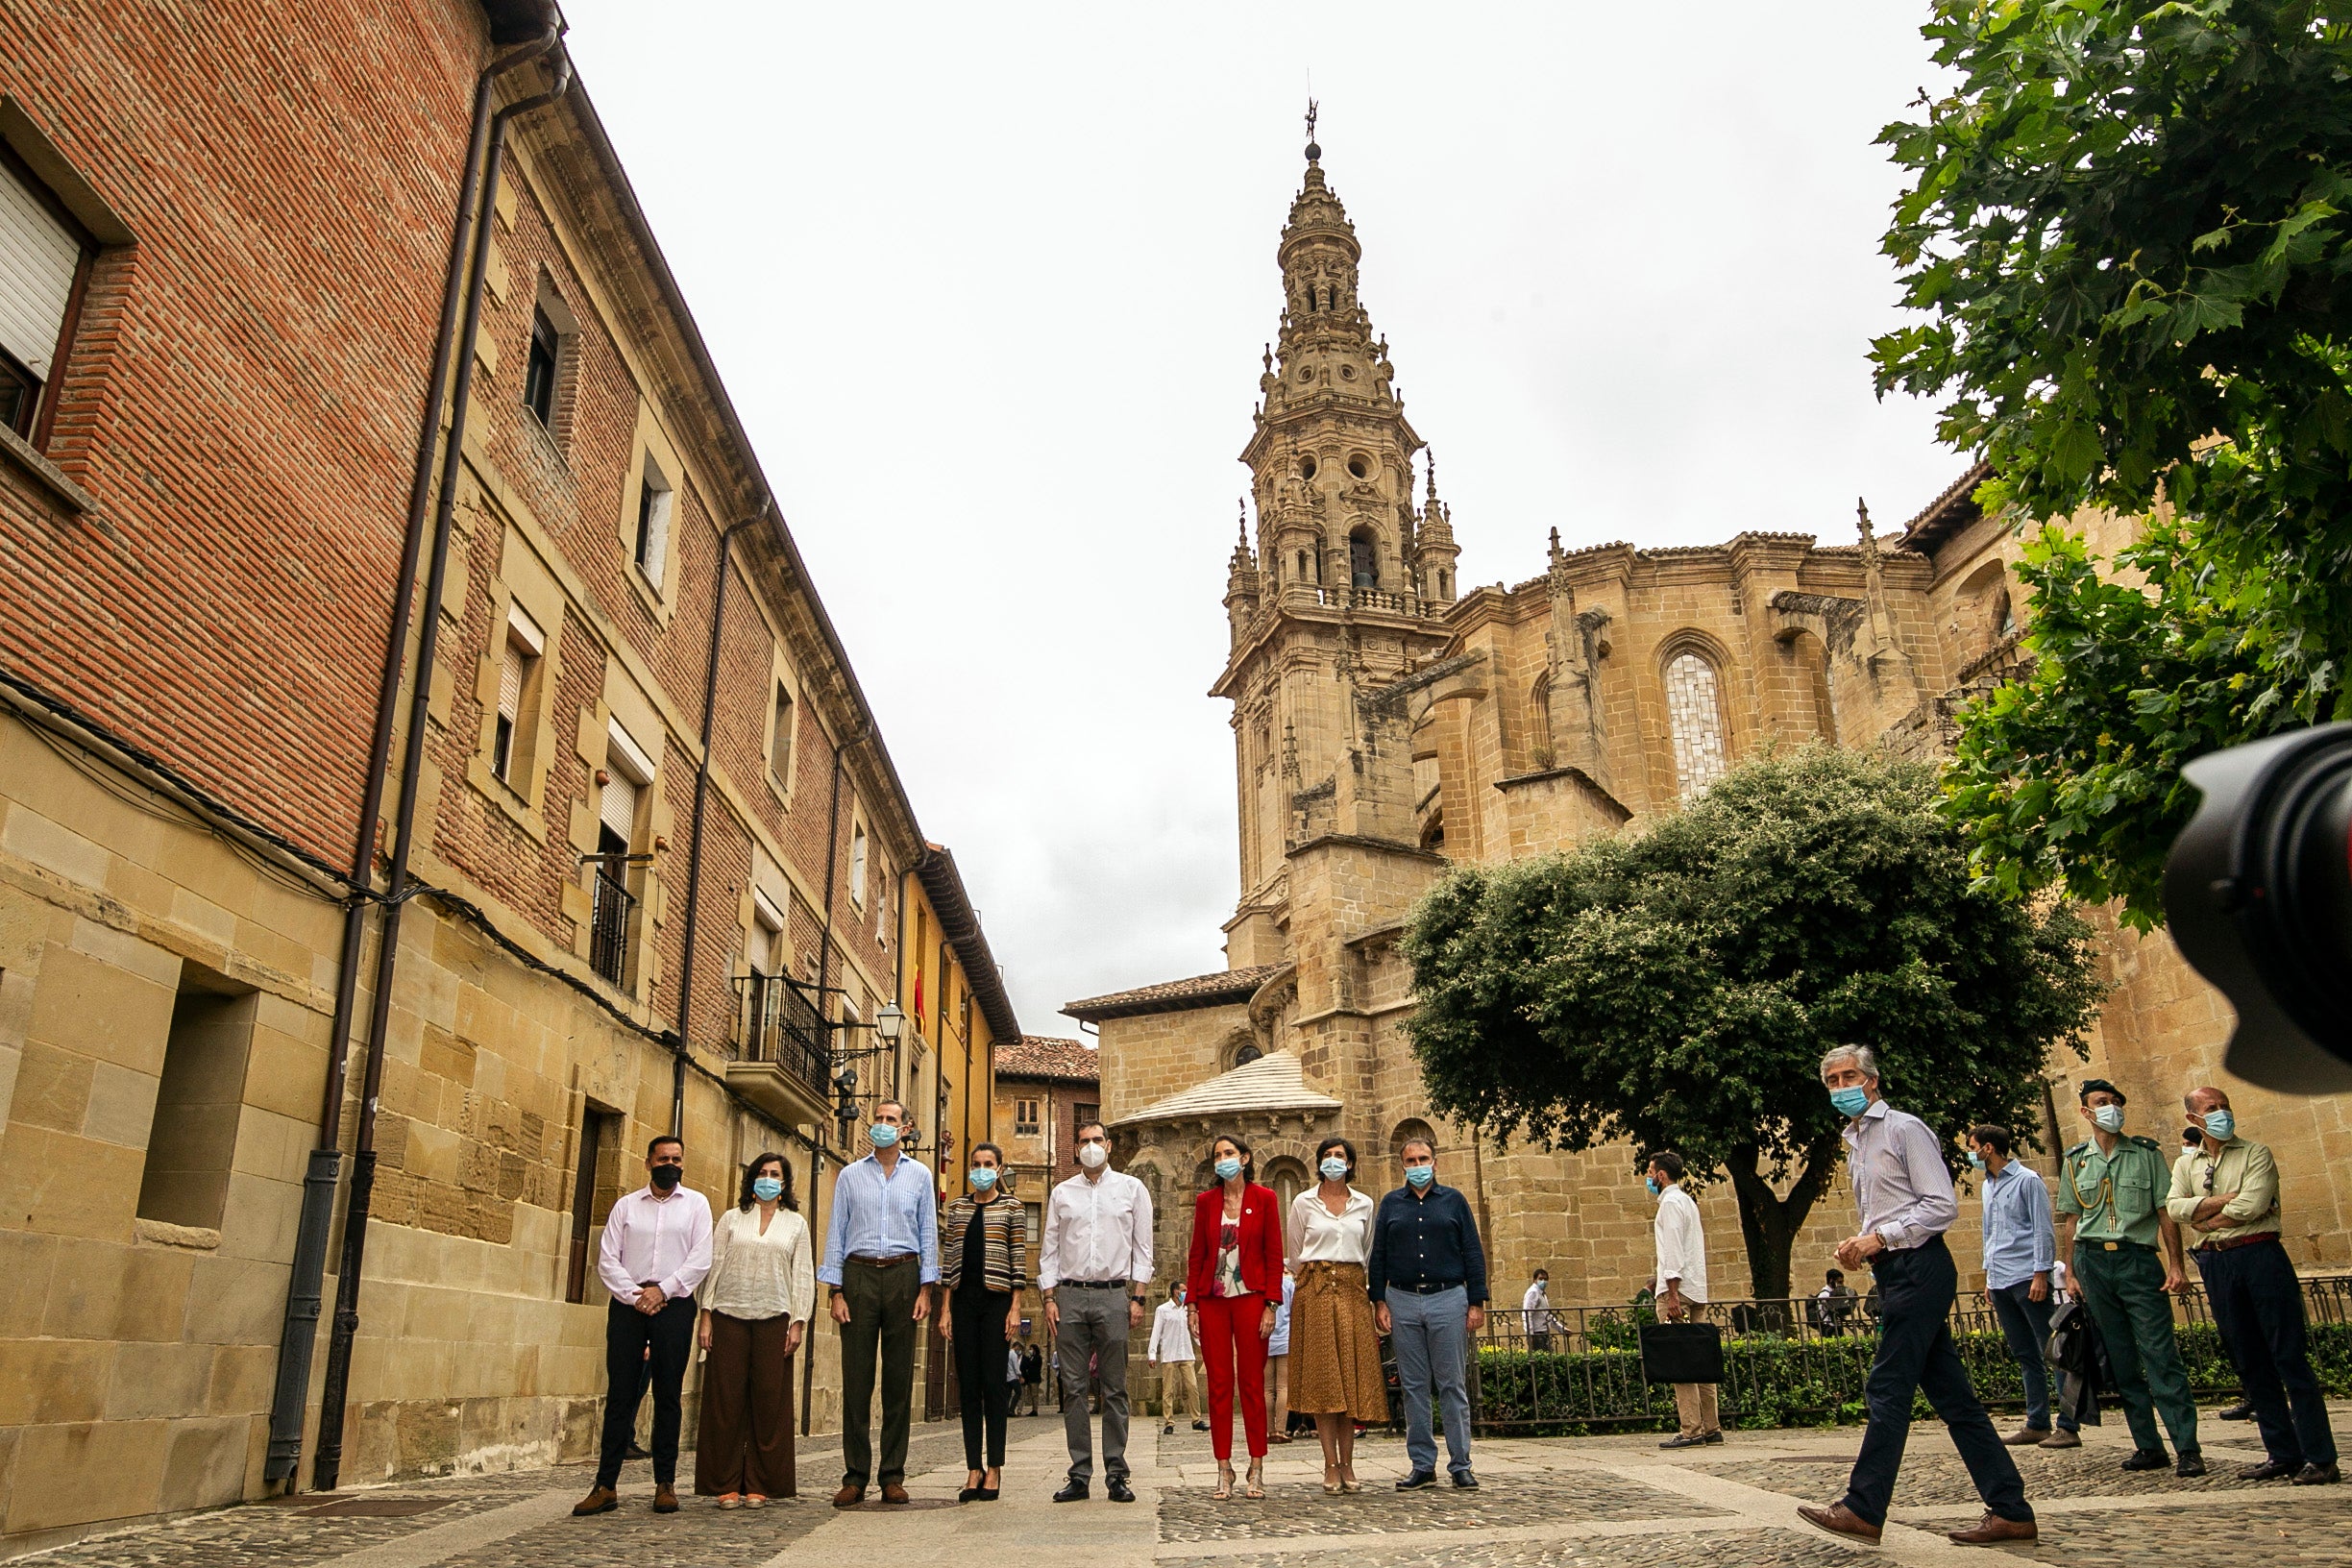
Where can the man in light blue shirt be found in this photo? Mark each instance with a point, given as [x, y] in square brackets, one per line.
[881, 1259]
[2021, 1248]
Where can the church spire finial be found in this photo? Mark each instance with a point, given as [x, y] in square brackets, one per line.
[1241, 534]
[1431, 454]
[1314, 152]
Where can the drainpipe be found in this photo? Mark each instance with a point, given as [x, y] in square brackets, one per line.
[327, 1471]
[824, 970]
[300, 1335]
[693, 849]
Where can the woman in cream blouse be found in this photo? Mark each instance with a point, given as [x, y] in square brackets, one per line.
[755, 1304]
[1335, 1347]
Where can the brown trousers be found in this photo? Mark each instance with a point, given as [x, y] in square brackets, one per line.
[745, 1440]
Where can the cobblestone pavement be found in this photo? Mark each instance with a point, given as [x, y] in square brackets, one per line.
[1581, 1503]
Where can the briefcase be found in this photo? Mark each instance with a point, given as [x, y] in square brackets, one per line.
[1682, 1353]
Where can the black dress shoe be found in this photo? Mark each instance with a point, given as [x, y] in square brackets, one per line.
[1684, 1440]
[1200, 1426]
[969, 1494]
[1417, 1480]
[1075, 1492]
[1118, 1491]
[2271, 1470]
[2318, 1475]
[2147, 1459]
[1715, 1436]
[2242, 1411]
[1466, 1482]
[2189, 1465]
[983, 1494]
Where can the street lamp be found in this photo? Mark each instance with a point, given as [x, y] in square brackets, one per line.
[888, 1023]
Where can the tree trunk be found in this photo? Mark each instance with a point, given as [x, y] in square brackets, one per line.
[1770, 1223]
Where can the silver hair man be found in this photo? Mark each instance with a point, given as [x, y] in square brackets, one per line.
[1861, 1056]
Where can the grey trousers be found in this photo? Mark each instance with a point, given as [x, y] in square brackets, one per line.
[1431, 1336]
[1093, 1330]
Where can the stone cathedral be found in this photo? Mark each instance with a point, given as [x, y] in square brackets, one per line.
[1388, 721]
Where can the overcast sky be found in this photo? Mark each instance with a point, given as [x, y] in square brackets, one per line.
[989, 285]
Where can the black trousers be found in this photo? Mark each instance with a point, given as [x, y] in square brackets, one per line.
[627, 1333]
[2258, 1306]
[982, 1388]
[1916, 1354]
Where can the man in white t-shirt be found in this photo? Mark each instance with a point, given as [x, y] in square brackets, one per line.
[1171, 1351]
[1682, 1285]
[1537, 1305]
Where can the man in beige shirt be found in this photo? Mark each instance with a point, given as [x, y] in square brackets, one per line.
[2224, 1198]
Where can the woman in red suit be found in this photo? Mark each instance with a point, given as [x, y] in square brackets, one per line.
[1231, 1284]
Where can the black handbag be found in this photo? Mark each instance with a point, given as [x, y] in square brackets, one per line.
[1682, 1353]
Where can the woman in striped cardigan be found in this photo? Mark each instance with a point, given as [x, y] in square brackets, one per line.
[984, 1264]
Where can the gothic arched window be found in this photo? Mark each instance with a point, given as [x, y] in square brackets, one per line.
[1694, 714]
[1364, 561]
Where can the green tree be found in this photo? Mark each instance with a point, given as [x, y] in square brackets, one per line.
[2127, 232]
[1676, 988]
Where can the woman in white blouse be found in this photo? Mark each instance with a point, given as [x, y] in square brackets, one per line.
[1335, 1347]
[755, 1304]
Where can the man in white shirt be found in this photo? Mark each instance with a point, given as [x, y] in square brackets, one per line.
[1171, 1351]
[1681, 1285]
[1535, 1306]
[656, 1249]
[1096, 1255]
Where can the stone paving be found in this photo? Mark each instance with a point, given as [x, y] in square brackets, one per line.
[1581, 1503]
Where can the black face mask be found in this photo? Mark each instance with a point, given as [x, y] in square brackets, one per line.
[667, 1177]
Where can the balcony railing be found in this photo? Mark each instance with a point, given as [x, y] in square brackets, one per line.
[608, 928]
[778, 1022]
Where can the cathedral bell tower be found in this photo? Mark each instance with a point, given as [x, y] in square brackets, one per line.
[1342, 590]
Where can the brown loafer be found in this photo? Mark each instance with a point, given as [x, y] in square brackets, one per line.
[2062, 1438]
[599, 1499]
[665, 1500]
[1840, 1520]
[893, 1492]
[2027, 1438]
[849, 1497]
[1993, 1528]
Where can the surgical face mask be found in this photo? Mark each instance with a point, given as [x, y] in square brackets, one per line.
[1976, 1160]
[2108, 1119]
[1420, 1176]
[883, 1133]
[666, 1177]
[1850, 1102]
[1092, 1156]
[2221, 1124]
[1651, 1181]
[983, 1177]
[1228, 1168]
[1333, 1169]
[766, 1189]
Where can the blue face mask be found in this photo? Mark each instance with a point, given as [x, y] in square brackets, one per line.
[1334, 1169]
[766, 1189]
[1850, 1102]
[1976, 1160]
[2108, 1119]
[883, 1133]
[1228, 1168]
[983, 1177]
[1420, 1176]
[2221, 1124]
[1651, 1181]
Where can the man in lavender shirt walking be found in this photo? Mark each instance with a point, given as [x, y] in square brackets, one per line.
[1904, 1193]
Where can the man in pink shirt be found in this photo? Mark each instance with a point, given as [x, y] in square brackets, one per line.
[656, 1249]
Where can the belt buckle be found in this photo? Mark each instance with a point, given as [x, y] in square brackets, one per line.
[2111, 1246]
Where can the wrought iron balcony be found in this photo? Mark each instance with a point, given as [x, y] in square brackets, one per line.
[783, 1049]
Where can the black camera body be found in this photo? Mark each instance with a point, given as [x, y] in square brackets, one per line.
[2258, 894]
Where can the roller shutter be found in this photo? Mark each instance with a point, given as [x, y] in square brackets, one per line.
[37, 258]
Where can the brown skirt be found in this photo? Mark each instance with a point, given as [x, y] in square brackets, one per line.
[1335, 1346]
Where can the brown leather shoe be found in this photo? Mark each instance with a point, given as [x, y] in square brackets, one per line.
[665, 1500]
[849, 1497]
[893, 1492]
[599, 1499]
[1840, 1520]
[2027, 1438]
[1993, 1528]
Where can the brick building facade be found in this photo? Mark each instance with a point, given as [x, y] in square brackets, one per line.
[202, 507]
[1388, 723]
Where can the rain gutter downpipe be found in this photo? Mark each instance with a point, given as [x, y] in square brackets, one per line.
[702, 795]
[327, 1469]
[298, 1337]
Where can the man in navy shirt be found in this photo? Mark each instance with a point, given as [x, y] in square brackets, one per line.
[1428, 1283]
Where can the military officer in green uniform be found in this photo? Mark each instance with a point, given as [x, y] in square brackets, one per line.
[2114, 1187]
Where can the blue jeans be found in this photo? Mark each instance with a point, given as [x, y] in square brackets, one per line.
[1432, 1337]
[2025, 1326]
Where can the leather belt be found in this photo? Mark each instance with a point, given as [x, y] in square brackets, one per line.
[890, 1261]
[2122, 1246]
[1091, 1284]
[2236, 1241]
[1427, 1289]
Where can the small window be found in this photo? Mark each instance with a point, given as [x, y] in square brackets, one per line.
[1364, 561]
[1085, 1112]
[518, 690]
[780, 739]
[882, 888]
[857, 867]
[191, 1140]
[539, 375]
[764, 949]
[1024, 1118]
[1360, 467]
[40, 255]
[1445, 582]
[654, 496]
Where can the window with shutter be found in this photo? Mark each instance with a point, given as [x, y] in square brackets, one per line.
[518, 668]
[857, 867]
[617, 807]
[40, 254]
[654, 498]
